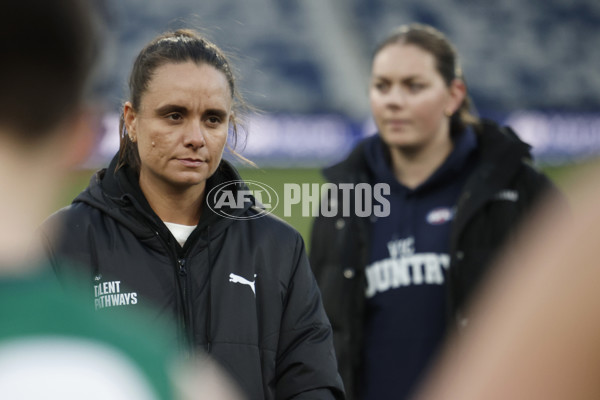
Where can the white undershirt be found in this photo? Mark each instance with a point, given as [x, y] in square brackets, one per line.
[180, 232]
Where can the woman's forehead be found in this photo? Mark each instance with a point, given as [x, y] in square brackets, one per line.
[187, 81]
[403, 59]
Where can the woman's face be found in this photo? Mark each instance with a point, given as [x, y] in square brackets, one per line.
[181, 126]
[409, 99]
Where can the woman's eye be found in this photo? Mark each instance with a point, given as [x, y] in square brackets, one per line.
[174, 116]
[416, 87]
[381, 86]
[214, 120]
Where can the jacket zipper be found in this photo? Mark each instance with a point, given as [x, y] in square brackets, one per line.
[182, 272]
[182, 292]
[187, 315]
[182, 289]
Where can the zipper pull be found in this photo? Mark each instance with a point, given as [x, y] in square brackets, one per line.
[182, 270]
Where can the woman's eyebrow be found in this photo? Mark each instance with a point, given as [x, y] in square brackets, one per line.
[380, 78]
[216, 112]
[169, 108]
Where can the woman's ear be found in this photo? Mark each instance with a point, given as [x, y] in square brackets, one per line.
[458, 92]
[130, 120]
[232, 120]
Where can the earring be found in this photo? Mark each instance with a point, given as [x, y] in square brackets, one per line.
[448, 113]
[153, 144]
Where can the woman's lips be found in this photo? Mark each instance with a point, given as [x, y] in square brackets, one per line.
[396, 123]
[190, 162]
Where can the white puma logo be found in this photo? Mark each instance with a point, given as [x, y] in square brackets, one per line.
[238, 279]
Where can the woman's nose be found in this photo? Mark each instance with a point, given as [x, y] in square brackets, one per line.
[396, 97]
[194, 135]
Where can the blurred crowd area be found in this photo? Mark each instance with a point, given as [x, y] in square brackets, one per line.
[307, 56]
[305, 64]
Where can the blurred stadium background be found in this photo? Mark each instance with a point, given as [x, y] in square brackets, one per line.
[532, 64]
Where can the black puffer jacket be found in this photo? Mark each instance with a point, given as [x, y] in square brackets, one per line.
[240, 289]
[502, 188]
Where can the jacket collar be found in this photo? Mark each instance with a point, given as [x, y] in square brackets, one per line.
[119, 195]
[378, 160]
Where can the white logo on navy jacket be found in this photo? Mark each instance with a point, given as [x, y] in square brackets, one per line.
[404, 268]
[110, 294]
[238, 279]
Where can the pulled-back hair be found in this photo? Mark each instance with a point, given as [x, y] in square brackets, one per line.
[447, 63]
[48, 49]
[180, 46]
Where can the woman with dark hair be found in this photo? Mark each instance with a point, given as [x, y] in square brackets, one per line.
[459, 186]
[237, 281]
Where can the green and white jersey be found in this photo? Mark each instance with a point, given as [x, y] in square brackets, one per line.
[54, 346]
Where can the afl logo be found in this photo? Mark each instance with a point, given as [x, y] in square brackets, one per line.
[440, 215]
[228, 197]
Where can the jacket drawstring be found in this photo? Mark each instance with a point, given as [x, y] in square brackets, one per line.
[95, 263]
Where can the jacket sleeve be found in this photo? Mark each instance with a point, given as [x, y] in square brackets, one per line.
[492, 232]
[320, 246]
[306, 363]
[49, 232]
[539, 186]
[66, 247]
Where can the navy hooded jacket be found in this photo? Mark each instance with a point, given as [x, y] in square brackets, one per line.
[240, 288]
[500, 189]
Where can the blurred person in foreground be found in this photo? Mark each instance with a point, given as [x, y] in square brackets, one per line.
[536, 321]
[170, 225]
[459, 186]
[53, 345]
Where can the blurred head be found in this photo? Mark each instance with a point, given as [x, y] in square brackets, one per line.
[47, 48]
[171, 62]
[417, 91]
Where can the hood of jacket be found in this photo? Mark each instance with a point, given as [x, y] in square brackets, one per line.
[379, 162]
[118, 194]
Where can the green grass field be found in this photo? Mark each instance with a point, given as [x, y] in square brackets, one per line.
[276, 178]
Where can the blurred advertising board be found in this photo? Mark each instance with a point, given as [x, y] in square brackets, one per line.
[321, 139]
